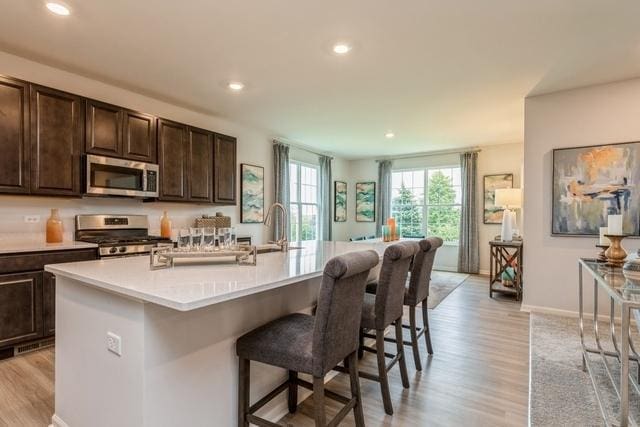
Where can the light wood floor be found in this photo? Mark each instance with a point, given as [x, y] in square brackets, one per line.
[478, 375]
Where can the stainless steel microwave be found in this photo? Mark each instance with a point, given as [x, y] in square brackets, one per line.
[118, 177]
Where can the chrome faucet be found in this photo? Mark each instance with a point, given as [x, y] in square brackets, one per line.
[282, 241]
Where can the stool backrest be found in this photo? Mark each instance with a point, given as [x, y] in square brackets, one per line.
[421, 270]
[392, 281]
[337, 322]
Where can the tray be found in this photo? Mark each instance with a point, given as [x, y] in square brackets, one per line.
[165, 257]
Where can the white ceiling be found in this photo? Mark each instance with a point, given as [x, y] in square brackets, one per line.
[440, 74]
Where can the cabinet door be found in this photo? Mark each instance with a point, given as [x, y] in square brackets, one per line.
[104, 129]
[56, 140]
[173, 147]
[200, 165]
[48, 304]
[14, 136]
[20, 307]
[139, 136]
[224, 169]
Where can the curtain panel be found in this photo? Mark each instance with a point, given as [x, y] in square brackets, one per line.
[469, 246]
[383, 210]
[281, 184]
[325, 198]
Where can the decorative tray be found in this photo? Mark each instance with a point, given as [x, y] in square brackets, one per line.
[165, 257]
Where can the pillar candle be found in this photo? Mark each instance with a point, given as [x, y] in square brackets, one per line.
[603, 240]
[615, 225]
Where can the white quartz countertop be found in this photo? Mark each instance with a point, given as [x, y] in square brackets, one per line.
[26, 243]
[188, 287]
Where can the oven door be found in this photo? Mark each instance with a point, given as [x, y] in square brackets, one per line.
[118, 177]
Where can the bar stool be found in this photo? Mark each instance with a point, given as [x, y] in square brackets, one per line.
[417, 292]
[385, 308]
[312, 344]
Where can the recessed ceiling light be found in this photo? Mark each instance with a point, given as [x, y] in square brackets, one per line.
[236, 86]
[58, 8]
[341, 48]
[389, 135]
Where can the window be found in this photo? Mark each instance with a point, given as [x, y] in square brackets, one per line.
[427, 202]
[303, 207]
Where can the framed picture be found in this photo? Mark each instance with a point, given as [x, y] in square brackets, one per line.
[339, 201]
[493, 214]
[590, 183]
[366, 201]
[251, 194]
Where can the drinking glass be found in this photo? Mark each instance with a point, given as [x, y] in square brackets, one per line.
[224, 237]
[234, 237]
[196, 238]
[209, 238]
[184, 239]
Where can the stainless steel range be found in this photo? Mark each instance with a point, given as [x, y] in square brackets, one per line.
[118, 235]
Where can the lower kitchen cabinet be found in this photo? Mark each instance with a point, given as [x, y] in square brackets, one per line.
[20, 307]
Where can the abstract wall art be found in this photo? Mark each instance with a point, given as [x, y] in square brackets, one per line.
[590, 183]
[492, 213]
[339, 201]
[252, 194]
[366, 201]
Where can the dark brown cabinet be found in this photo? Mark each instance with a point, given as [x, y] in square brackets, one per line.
[48, 304]
[200, 166]
[117, 132]
[20, 307]
[225, 171]
[173, 159]
[14, 136]
[56, 140]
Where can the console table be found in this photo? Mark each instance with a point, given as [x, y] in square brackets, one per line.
[624, 298]
[504, 255]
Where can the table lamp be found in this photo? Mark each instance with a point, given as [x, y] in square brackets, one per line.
[508, 198]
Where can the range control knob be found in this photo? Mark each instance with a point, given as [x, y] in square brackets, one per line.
[123, 249]
[113, 250]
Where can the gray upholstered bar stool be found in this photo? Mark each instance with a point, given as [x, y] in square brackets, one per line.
[312, 344]
[385, 308]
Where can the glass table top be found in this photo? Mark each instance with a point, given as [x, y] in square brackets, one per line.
[621, 284]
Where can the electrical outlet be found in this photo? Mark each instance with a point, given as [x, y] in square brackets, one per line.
[32, 219]
[114, 343]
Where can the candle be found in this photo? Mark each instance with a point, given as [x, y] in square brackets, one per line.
[615, 225]
[603, 240]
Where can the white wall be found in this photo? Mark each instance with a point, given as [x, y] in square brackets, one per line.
[492, 159]
[589, 116]
[254, 147]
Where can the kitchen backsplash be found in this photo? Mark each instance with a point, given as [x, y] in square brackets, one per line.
[14, 209]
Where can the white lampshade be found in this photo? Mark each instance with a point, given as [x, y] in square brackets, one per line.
[508, 197]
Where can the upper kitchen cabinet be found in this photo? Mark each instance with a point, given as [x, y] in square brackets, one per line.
[14, 136]
[200, 177]
[117, 132]
[173, 159]
[224, 169]
[57, 123]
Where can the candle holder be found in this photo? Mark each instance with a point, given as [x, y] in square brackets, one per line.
[602, 257]
[615, 253]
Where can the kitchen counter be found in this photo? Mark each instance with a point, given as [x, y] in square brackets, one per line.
[21, 244]
[189, 287]
[177, 328]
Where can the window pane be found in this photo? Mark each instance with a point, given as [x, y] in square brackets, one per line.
[293, 182]
[410, 217]
[441, 191]
[418, 178]
[444, 222]
[293, 223]
[456, 176]
[309, 224]
[396, 179]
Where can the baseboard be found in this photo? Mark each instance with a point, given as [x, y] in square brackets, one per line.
[56, 421]
[445, 268]
[566, 313]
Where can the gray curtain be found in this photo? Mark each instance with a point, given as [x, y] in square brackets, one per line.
[281, 183]
[383, 210]
[325, 198]
[469, 246]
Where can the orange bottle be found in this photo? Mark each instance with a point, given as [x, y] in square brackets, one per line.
[54, 227]
[165, 226]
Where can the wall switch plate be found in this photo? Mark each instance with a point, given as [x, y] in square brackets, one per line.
[114, 343]
[32, 219]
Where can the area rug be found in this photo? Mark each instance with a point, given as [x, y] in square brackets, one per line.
[561, 393]
[442, 284]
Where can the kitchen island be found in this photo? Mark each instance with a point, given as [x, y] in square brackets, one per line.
[177, 330]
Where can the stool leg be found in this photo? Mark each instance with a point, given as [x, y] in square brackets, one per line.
[425, 322]
[361, 344]
[414, 337]
[382, 373]
[402, 361]
[293, 391]
[243, 392]
[352, 364]
[318, 401]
